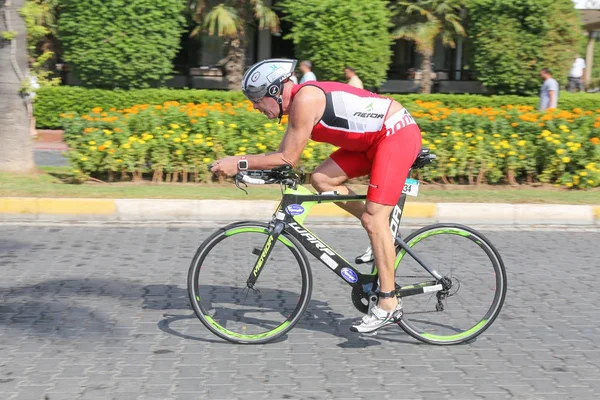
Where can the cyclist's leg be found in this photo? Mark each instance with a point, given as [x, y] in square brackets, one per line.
[337, 169]
[393, 159]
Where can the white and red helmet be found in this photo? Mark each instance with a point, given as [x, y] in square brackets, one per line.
[266, 78]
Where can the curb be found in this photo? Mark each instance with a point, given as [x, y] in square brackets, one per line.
[209, 210]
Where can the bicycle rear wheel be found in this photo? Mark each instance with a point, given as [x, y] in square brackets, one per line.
[477, 276]
[221, 298]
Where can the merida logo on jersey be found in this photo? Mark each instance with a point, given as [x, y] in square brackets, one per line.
[368, 115]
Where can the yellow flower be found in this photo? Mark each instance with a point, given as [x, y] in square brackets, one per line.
[83, 158]
[118, 161]
[107, 132]
[244, 140]
[108, 143]
[590, 182]
[479, 137]
[198, 136]
[566, 160]
[496, 135]
[242, 149]
[560, 151]
[91, 142]
[206, 160]
[166, 136]
[132, 138]
[556, 141]
[511, 153]
[232, 125]
[198, 141]
[546, 132]
[93, 148]
[568, 184]
[177, 140]
[307, 153]
[521, 143]
[184, 136]
[280, 128]
[174, 126]
[452, 159]
[209, 144]
[583, 173]
[126, 146]
[501, 155]
[514, 135]
[178, 152]
[220, 122]
[563, 127]
[268, 125]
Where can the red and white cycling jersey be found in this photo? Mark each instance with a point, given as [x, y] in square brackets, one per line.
[370, 141]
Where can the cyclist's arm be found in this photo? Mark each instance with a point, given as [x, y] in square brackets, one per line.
[303, 116]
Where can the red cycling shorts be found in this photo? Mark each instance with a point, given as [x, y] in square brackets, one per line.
[387, 160]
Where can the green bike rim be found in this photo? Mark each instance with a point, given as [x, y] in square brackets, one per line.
[241, 336]
[483, 323]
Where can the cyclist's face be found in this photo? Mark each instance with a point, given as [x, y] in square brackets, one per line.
[268, 106]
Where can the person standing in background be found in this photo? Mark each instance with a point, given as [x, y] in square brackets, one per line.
[353, 79]
[576, 75]
[549, 91]
[307, 74]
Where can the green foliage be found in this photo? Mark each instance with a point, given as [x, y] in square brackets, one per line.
[9, 35]
[336, 33]
[52, 101]
[121, 44]
[515, 39]
[40, 21]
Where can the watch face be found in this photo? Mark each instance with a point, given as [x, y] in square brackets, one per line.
[243, 164]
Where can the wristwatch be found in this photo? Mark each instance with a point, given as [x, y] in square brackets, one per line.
[243, 164]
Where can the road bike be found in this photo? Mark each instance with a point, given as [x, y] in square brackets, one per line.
[251, 282]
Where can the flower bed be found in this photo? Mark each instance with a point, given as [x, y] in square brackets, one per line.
[176, 142]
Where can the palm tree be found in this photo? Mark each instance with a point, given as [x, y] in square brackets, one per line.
[423, 21]
[15, 140]
[232, 19]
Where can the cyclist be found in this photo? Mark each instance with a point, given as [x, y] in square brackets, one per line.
[375, 135]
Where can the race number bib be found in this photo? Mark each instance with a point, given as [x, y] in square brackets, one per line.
[411, 187]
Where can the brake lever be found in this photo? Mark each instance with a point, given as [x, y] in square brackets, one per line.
[237, 183]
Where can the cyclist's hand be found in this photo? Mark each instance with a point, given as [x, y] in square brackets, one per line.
[227, 166]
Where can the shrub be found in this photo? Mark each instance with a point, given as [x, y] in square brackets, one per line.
[51, 102]
[474, 145]
[521, 38]
[112, 43]
[338, 33]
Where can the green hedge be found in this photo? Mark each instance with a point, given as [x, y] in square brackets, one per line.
[52, 101]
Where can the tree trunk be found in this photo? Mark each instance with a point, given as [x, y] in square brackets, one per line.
[234, 68]
[426, 68]
[15, 140]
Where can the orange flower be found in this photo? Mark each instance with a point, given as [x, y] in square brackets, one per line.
[117, 130]
[101, 148]
[514, 124]
[595, 140]
[541, 124]
[193, 121]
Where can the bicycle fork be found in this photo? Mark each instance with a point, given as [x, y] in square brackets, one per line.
[264, 254]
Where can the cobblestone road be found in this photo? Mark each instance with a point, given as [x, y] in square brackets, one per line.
[101, 312]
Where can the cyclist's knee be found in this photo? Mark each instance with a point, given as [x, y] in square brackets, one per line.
[374, 220]
[322, 182]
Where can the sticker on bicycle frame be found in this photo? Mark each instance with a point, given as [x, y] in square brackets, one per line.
[411, 187]
[349, 275]
[295, 209]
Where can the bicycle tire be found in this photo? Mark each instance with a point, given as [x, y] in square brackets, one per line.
[194, 285]
[500, 289]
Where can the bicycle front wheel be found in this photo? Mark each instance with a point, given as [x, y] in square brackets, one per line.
[221, 298]
[473, 268]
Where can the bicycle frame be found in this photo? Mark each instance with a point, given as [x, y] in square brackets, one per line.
[291, 214]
